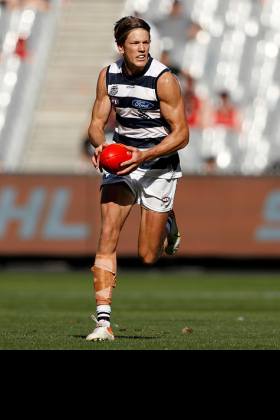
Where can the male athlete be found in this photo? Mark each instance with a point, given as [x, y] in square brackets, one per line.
[151, 123]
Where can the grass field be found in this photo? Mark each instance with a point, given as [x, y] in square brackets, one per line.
[150, 310]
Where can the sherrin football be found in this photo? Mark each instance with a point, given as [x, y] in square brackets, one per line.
[112, 156]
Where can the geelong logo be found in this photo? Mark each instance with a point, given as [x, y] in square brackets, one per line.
[114, 90]
[142, 104]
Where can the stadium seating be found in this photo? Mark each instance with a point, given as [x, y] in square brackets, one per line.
[236, 50]
[83, 46]
[26, 34]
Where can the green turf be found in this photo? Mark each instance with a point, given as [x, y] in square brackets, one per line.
[150, 309]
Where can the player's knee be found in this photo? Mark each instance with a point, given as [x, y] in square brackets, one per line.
[147, 258]
[109, 233]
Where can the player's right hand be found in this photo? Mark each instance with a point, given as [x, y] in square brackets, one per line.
[96, 156]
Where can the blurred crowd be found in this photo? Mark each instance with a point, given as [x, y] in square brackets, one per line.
[202, 112]
[21, 49]
[178, 29]
[38, 4]
[16, 42]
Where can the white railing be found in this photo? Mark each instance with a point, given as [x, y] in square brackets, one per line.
[20, 81]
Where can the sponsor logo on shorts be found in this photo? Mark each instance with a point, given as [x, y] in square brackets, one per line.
[142, 104]
[110, 176]
[166, 200]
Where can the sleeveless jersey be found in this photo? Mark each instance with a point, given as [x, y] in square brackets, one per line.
[139, 121]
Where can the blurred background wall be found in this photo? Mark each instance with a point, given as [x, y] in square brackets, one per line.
[226, 56]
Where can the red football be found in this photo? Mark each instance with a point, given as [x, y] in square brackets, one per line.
[112, 156]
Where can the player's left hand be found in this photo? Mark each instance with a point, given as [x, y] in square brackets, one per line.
[136, 160]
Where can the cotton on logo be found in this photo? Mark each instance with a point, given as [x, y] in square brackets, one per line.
[30, 214]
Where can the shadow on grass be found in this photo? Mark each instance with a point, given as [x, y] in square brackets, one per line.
[135, 337]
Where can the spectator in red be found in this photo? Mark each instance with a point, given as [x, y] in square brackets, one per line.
[195, 106]
[227, 114]
[21, 49]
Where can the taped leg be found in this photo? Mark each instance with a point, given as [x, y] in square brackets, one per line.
[105, 273]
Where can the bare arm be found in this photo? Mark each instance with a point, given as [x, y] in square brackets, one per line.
[173, 110]
[100, 116]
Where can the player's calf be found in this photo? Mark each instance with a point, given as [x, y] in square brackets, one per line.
[105, 274]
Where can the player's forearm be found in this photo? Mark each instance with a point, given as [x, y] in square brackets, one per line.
[171, 144]
[96, 136]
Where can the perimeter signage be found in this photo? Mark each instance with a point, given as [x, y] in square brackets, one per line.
[217, 216]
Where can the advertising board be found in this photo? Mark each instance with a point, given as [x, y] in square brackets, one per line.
[56, 215]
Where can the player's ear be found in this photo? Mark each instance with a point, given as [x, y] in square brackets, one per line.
[120, 48]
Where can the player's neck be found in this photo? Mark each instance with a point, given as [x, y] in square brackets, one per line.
[132, 70]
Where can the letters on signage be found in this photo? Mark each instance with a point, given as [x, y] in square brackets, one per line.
[270, 232]
[30, 214]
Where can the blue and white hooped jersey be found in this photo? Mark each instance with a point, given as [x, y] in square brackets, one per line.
[140, 122]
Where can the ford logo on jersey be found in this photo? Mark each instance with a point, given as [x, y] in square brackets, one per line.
[142, 104]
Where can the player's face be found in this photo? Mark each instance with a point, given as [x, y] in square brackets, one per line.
[136, 50]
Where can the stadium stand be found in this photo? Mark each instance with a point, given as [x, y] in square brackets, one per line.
[235, 49]
[26, 33]
[226, 48]
[82, 46]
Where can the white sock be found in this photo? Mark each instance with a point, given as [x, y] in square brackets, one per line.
[104, 313]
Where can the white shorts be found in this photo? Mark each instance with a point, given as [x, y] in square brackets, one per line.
[156, 194]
